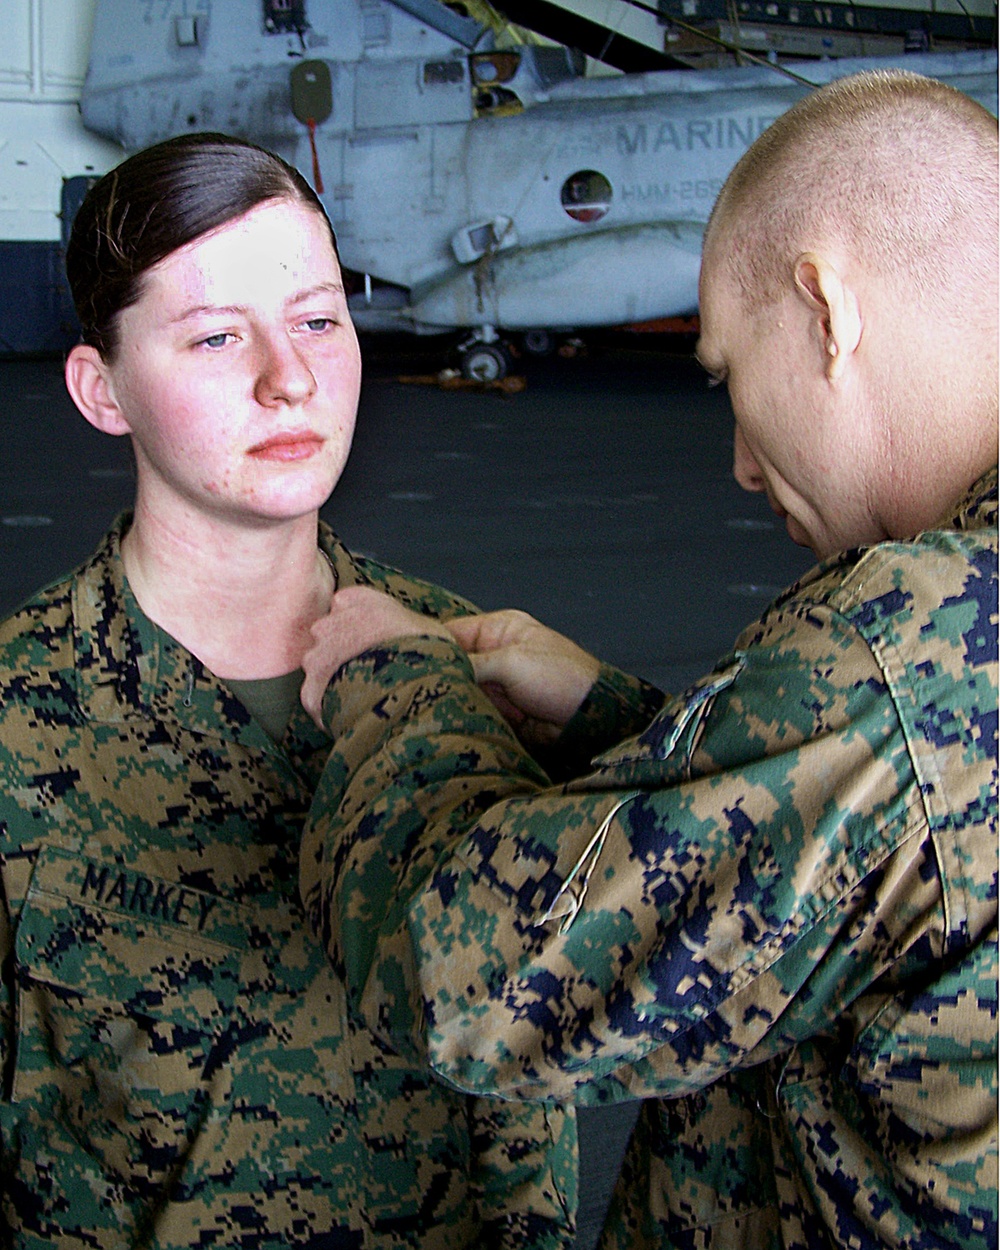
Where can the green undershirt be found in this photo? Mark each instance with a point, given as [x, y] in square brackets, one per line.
[271, 700]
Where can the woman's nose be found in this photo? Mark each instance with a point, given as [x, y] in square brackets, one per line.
[746, 470]
[283, 377]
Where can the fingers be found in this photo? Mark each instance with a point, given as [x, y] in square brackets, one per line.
[535, 677]
[359, 618]
[509, 711]
[490, 667]
[489, 630]
[311, 694]
[531, 673]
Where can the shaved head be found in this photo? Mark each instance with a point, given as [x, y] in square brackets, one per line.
[849, 297]
[898, 170]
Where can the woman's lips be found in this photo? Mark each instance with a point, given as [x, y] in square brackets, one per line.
[297, 445]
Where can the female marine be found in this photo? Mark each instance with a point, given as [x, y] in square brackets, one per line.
[179, 1067]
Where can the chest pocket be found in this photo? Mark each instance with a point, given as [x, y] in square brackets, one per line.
[126, 992]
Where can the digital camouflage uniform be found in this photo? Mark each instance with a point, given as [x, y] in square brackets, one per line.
[775, 905]
[180, 1067]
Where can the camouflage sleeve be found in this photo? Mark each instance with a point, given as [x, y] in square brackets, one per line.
[731, 881]
[524, 1155]
[407, 799]
[617, 706]
[525, 1174]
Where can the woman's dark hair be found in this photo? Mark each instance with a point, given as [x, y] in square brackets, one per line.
[157, 201]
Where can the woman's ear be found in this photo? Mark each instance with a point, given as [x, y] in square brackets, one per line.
[836, 306]
[88, 380]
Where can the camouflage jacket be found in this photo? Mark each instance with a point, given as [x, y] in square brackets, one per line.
[774, 905]
[180, 1067]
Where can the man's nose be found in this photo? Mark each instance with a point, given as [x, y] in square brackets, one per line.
[284, 377]
[746, 470]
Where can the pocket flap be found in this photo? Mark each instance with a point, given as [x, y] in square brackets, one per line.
[676, 722]
[152, 946]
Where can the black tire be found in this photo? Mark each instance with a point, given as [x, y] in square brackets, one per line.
[484, 362]
[538, 342]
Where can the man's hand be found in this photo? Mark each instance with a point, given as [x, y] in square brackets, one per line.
[359, 618]
[536, 677]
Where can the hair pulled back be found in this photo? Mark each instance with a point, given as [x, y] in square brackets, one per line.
[157, 201]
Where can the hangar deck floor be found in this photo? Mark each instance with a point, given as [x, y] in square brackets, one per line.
[600, 499]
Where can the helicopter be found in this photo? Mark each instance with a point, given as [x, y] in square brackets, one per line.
[496, 191]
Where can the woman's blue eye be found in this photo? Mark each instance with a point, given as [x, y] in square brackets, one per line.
[319, 323]
[215, 340]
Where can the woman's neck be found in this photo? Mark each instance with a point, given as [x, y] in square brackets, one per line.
[241, 599]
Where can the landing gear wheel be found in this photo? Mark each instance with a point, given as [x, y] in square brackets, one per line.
[538, 342]
[484, 362]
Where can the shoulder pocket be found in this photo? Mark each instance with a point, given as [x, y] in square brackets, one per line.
[126, 986]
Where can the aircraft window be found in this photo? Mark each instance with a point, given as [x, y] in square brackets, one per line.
[186, 31]
[436, 72]
[493, 67]
[374, 28]
[586, 195]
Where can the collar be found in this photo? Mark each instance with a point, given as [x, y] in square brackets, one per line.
[977, 509]
[128, 668]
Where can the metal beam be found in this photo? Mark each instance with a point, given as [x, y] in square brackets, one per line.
[464, 30]
[565, 24]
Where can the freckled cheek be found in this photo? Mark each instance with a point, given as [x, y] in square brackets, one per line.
[205, 454]
[203, 444]
[339, 395]
[218, 483]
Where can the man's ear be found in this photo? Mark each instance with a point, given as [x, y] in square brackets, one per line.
[824, 291]
[88, 381]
